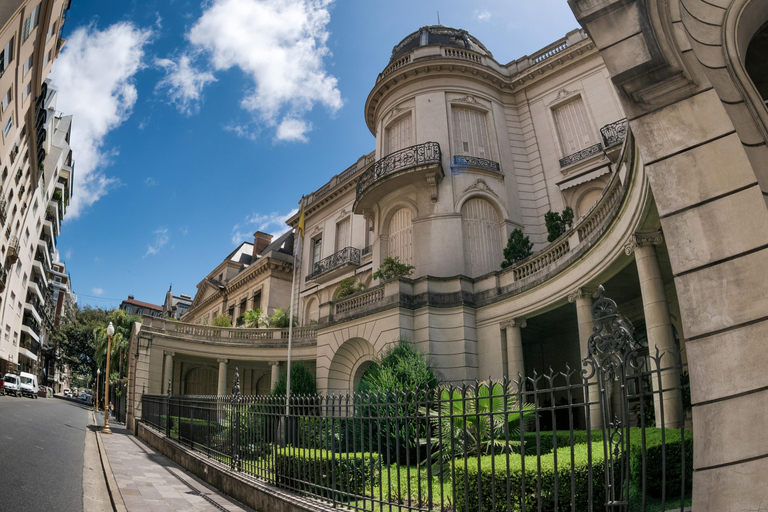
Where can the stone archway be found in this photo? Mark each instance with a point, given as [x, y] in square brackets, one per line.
[349, 363]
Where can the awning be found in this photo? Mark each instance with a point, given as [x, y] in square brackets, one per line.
[583, 178]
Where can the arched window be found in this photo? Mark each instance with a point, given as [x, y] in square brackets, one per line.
[482, 243]
[401, 236]
[756, 63]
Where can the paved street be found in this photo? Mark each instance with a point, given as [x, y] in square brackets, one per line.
[41, 453]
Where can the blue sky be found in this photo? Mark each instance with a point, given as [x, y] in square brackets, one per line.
[194, 126]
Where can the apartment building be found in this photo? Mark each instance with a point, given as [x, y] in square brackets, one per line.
[36, 181]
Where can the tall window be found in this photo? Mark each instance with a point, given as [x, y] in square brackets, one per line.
[7, 98]
[27, 65]
[30, 22]
[470, 133]
[8, 127]
[482, 243]
[6, 56]
[342, 234]
[317, 249]
[399, 135]
[401, 236]
[573, 127]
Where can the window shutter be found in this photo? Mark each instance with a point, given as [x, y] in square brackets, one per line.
[470, 133]
[342, 234]
[482, 242]
[401, 236]
[399, 135]
[573, 127]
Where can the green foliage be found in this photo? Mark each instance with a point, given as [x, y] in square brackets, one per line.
[348, 286]
[302, 381]
[494, 481]
[222, 320]
[558, 223]
[282, 317]
[316, 471]
[255, 319]
[391, 268]
[518, 248]
[673, 455]
[401, 367]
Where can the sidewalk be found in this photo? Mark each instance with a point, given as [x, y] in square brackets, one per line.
[147, 481]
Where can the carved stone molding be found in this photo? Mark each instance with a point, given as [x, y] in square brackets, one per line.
[580, 293]
[274, 363]
[513, 322]
[223, 360]
[466, 99]
[169, 353]
[395, 111]
[642, 239]
[343, 213]
[480, 184]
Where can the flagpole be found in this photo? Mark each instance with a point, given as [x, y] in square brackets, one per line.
[297, 252]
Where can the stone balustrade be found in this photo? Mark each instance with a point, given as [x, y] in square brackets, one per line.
[229, 334]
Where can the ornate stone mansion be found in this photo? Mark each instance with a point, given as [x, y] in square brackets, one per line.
[650, 123]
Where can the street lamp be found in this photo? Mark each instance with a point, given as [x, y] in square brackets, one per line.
[110, 332]
[96, 403]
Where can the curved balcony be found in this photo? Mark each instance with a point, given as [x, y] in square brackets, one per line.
[415, 163]
[334, 264]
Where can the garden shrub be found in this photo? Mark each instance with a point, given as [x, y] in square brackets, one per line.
[494, 477]
[324, 473]
[653, 461]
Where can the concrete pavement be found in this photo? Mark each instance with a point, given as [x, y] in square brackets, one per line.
[147, 481]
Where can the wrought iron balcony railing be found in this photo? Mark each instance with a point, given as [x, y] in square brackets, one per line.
[13, 250]
[347, 255]
[3, 278]
[614, 133]
[30, 322]
[3, 210]
[581, 155]
[366, 251]
[462, 161]
[420, 154]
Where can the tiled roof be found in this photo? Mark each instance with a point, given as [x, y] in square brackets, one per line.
[134, 302]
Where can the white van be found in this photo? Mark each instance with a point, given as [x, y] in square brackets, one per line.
[28, 384]
[11, 382]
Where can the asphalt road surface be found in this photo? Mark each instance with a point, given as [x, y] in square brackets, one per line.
[41, 454]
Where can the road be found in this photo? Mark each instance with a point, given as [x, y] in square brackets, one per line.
[41, 454]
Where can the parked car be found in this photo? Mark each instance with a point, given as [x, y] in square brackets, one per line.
[2, 387]
[12, 384]
[67, 392]
[28, 384]
[44, 391]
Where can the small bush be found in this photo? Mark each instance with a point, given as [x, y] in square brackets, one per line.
[495, 476]
[518, 248]
[302, 381]
[391, 268]
[222, 320]
[281, 319]
[348, 286]
[324, 473]
[653, 461]
[557, 223]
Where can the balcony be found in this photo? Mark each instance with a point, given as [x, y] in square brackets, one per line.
[585, 153]
[335, 264]
[31, 326]
[3, 278]
[3, 211]
[29, 347]
[472, 162]
[614, 133]
[421, 162]
[52, 221]
[13, 251]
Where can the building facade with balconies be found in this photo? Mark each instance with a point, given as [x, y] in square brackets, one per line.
[36, 181]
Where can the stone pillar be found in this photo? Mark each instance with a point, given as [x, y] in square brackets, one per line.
[275, 373]
[222, 388]
[168, 370]
[514, 340]
[583, 300]
[658, 326]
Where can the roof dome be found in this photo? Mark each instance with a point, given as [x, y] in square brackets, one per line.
[439, 35]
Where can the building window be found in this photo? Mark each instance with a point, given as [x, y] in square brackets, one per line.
[128, 309]
[49, 56]
[317, 249]
[482, 241]
[57, 279]
[401, 236]
[8, 126]
[7, 98]
[34, 208]
[18, 308]
[573, 127]
[342, 234]
[30, 22]
[15, 338]
[51, 31]
[26, 235]
[24, 280]
[6, 56]
[27, 66]
[7, 333]
[27, 91]
[470, 133]
[399, 135]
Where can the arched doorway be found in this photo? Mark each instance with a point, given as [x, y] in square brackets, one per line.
[348, 365]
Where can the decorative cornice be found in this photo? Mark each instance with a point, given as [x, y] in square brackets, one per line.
[480, 184]
[466, 99]
[169, 353]
[513, 322]
[641, 240]
[274, 363]
[223, 360]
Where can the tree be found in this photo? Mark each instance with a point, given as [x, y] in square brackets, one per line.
[557, 223]
[518, 248]
[222, 320]
[302, 381]
[391, 268]
[282, 317]
[255, 318]
[123, 324]
[78, 343]
[348, 286]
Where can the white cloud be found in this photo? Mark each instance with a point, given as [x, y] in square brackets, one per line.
[184, 83]
[68, 254]
[262, 222]
[150, 182]
[483, 15]
[280, 45]
[242, 131]
[97, 291]
[94, 76]
[161, 239]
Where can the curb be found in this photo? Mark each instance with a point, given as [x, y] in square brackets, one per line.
[118, 505]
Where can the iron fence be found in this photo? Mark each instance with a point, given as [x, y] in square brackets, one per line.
[609, 436]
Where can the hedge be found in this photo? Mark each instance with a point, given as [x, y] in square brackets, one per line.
[468, 496]
[322, 472]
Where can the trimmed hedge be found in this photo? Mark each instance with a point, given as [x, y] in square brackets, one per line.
[324, 473]
[469, 497]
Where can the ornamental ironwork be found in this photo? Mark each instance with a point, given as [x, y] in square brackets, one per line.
[348, 255]
[581, 155]
[614, 133]
[420, 154]
[476, 163]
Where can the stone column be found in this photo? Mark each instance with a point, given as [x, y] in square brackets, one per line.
[658, 326]
[514, 339]
[583, 300]
[275, 373]
[168, 370]
[222, 388]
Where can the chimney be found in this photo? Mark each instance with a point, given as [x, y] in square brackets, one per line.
[260, 242]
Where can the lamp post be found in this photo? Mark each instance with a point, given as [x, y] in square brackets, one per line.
[110, 332]
[96, 403]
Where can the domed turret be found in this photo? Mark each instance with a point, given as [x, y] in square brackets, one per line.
[439, 35]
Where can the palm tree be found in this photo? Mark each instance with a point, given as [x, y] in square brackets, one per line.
[255, 318]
